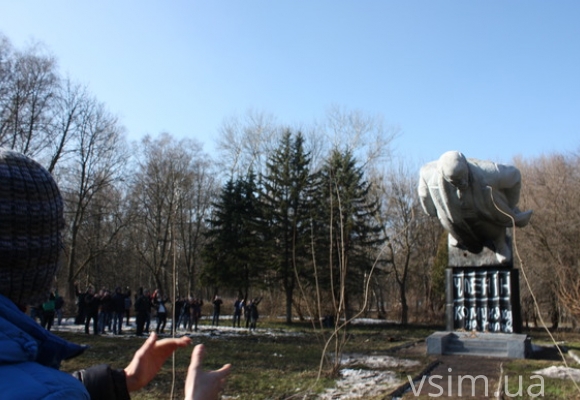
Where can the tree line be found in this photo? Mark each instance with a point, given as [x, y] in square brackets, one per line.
[322, 220]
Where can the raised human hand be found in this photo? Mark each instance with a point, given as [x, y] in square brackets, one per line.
[204, 385]
[148, 360]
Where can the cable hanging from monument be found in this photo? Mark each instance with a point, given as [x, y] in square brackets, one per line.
[528, 285]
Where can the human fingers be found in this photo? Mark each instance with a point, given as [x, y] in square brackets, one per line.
[173, 343]
[223, 372]
[200, 385]
[136, 372]
[197, 356]
[215, 381]
[147, 346]
[194, 387]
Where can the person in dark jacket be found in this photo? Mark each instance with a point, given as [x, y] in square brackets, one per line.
[141, 310]
[105, 311]
[148, 309]
[185, 313]
[58, 306]
[178, 313]
[80, 317]
[30, 248]
[118, 311]
[253, 313]
[238, 310]
[128, 304]
[217, 304]
[92, 304]
[195, 313]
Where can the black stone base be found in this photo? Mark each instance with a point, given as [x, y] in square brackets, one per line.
[483, 299]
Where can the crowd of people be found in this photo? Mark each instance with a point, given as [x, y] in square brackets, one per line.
[106, 311]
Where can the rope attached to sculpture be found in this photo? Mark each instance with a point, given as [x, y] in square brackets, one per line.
[536, 305]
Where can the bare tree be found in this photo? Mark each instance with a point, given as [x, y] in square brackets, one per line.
[97, 158]
[28, 84]
[244, 144]
[172, 192]
[198, 193]
[366, 136]
[402, 227]
[69, 112]
[549, 243]
[6, 83]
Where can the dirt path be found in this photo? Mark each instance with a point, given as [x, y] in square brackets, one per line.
[455, 377]
[460, 377]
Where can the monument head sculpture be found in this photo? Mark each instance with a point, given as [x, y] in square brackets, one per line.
[454, 169]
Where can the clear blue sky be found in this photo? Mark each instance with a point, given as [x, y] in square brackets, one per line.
[491, 78]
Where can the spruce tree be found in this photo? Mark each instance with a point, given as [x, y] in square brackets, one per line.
[284, 200]
[233, 254]
[346, 229]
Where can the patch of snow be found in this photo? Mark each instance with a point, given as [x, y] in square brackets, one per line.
[560, 372]
[221, 331]
[371, 321]
[364, 383]
[361, 384]
[574, 356]
[376, 361]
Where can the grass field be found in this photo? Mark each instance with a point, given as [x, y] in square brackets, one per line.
[282, 362]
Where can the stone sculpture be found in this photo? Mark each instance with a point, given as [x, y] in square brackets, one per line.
[475, 201]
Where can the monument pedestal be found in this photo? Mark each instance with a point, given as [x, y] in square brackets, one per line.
[483, 299]
[505, 345]
[483, 315]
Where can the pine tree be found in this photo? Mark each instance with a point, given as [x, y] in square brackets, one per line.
[284, 201]
[346, 228]
[233, 255]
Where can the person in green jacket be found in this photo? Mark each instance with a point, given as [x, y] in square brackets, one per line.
[48, 312]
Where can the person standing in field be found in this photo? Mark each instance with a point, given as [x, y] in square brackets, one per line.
[106, 312]
[195, 313]
[185, 313]
[81, 313]
[254, 314]
[92, 303]
[160, 304]
[118, 311]
[148, 308]
[58, 305]
[128, 304]
[217, 304]
[48, 312]
[141, 312]
[238, 308]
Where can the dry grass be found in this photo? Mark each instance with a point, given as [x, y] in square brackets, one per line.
[279, 363]
[282, 362]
